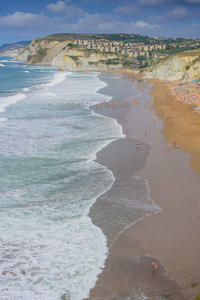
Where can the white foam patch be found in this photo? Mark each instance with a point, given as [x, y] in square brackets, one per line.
[58, 77]
[6, 101]
[3, 119]
[39, 264]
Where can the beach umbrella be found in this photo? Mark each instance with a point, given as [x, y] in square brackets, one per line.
[193, 107]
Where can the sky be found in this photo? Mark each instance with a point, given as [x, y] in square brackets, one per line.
[22, 20]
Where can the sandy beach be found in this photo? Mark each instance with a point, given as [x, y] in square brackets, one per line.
[169, 232]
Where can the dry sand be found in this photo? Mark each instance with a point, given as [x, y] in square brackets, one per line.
[170, 236]
[173, 234]
[186, 121]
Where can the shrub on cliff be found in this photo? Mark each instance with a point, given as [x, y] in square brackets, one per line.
[72, 45]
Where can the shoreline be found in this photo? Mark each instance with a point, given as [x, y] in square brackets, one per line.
[134, 244]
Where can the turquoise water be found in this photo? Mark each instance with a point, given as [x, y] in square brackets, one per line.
[15, 76]
[49, 181]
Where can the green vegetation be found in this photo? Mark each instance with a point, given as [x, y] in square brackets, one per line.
[76, 58]
[72, 45]
[196, 60]
[127, 63]
[197, 297]
[141, 66]
[130, 64]
[91, 50]
[187, 67]
[141, 58]
[111, 62]
[41, 52]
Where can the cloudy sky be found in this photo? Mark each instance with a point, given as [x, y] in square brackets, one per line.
[26, 20]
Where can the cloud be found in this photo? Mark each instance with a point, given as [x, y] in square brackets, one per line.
[18, 19]
[98, 23]
[70, 11]
[144, 28]
[179, 13]
[175, 14]
[129, 10]
[142, 24]
[58, 7]
[26, 24]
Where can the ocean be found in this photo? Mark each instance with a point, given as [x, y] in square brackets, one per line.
[49, 180]
[49, 247]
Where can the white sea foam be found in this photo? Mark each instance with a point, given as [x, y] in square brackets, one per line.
[6, 101]
[58, 77]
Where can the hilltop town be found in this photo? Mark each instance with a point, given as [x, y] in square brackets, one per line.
[129, 49]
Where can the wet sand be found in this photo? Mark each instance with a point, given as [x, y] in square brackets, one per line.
[169, 235]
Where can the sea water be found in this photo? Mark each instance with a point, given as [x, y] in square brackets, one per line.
[49, 137]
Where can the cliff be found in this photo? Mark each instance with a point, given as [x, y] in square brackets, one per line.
[12, 52]
[184, 66]
[65, 56]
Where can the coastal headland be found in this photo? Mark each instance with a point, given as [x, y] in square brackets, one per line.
[167, 229]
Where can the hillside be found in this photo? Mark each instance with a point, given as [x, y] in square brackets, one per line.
[64, 55]
[12, 52]
[125, 37]
[184, 66]
[13, 49]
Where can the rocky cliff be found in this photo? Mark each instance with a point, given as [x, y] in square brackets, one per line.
[184, 66]
[12, 52]
[65, 56]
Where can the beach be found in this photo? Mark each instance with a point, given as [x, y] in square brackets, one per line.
[165, 227]
[94, 188]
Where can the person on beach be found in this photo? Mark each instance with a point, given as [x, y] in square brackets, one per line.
[154, 265]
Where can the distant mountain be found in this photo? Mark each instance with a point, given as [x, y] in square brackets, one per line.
[21, 44]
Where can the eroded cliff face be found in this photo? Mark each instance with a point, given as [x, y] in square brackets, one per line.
[12, 52]
[66, 57]
[184, 66]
